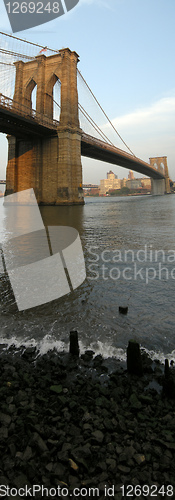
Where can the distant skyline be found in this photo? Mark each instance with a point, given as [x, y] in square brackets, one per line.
[126, 50]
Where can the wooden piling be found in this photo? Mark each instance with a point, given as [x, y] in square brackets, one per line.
[74, 345]
[134, 360]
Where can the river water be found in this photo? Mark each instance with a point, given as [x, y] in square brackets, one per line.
[129, 251]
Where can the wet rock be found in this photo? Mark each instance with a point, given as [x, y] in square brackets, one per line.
[3, 433]
[21, 481]
[140, 459]
[124, 469]
[111, 463]
[28, 454]
[5, 419]
[115, 428]
[59, 470]
[37, 441]
[98, 436]
[134, 401]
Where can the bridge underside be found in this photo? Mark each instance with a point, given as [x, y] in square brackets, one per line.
[28, 127]
[117, 157]
[23, 127]
[40, 157]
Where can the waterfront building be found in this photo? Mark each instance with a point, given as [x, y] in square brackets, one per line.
[111, 183]
[123, 182]
[133, 183]
[146, 183]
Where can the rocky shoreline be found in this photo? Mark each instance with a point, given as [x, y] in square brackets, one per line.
[82, 427]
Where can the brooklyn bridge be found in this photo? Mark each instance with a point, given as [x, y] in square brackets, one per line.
[44, 152]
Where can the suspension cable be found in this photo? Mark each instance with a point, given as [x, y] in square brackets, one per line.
[96, 127]
[26, 41]
[90, 120]
[16, 54]
[104, 112]
[100, 132]
[7, 64]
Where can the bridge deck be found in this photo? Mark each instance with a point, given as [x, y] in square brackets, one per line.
[99, 150]
[20, 121]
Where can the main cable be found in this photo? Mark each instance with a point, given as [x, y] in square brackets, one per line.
[104, 112]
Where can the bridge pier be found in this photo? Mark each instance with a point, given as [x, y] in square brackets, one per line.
[49, 164]
[158, 186]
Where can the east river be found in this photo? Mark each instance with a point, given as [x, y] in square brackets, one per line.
[129, 251]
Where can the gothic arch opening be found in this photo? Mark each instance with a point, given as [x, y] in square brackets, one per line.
[52, 99]
[162, 166]
[33, 97]
[30, 95]
[57, 100]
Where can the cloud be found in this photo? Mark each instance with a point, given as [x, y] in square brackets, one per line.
[148, 131]
[162, 111]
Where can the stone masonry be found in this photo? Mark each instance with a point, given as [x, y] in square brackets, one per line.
[50, 165]
[160, 186]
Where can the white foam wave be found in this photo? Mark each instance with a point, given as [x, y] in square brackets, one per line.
[106, 350]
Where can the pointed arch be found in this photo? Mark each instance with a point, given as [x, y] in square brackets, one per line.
[31, 84]
[162, 166]
[49, 95]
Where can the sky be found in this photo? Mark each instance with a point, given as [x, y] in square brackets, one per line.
[126, 50]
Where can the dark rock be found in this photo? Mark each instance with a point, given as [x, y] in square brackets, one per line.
[123, 468]
[5, 419]
[134, 401]
[92, 431]
[37, 441]
[98, 436]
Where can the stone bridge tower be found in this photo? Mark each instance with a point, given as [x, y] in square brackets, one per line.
[163, 185]
[50, 164]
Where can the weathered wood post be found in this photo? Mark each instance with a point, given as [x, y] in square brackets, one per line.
[167, 368]
[74, 346]
[134, 360]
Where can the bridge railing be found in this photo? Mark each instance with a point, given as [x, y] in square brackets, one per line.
[108, 146]
[22, 110]
[104, 144]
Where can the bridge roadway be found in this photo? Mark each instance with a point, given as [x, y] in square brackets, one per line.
[99, 150]
[20, 122]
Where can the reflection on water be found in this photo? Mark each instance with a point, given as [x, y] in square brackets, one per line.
[109, 228]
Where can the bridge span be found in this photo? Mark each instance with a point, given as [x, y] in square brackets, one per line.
[17, 120]
[99, 150]
[46, 154]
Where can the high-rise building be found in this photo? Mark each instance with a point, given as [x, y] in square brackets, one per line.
[131, 175]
